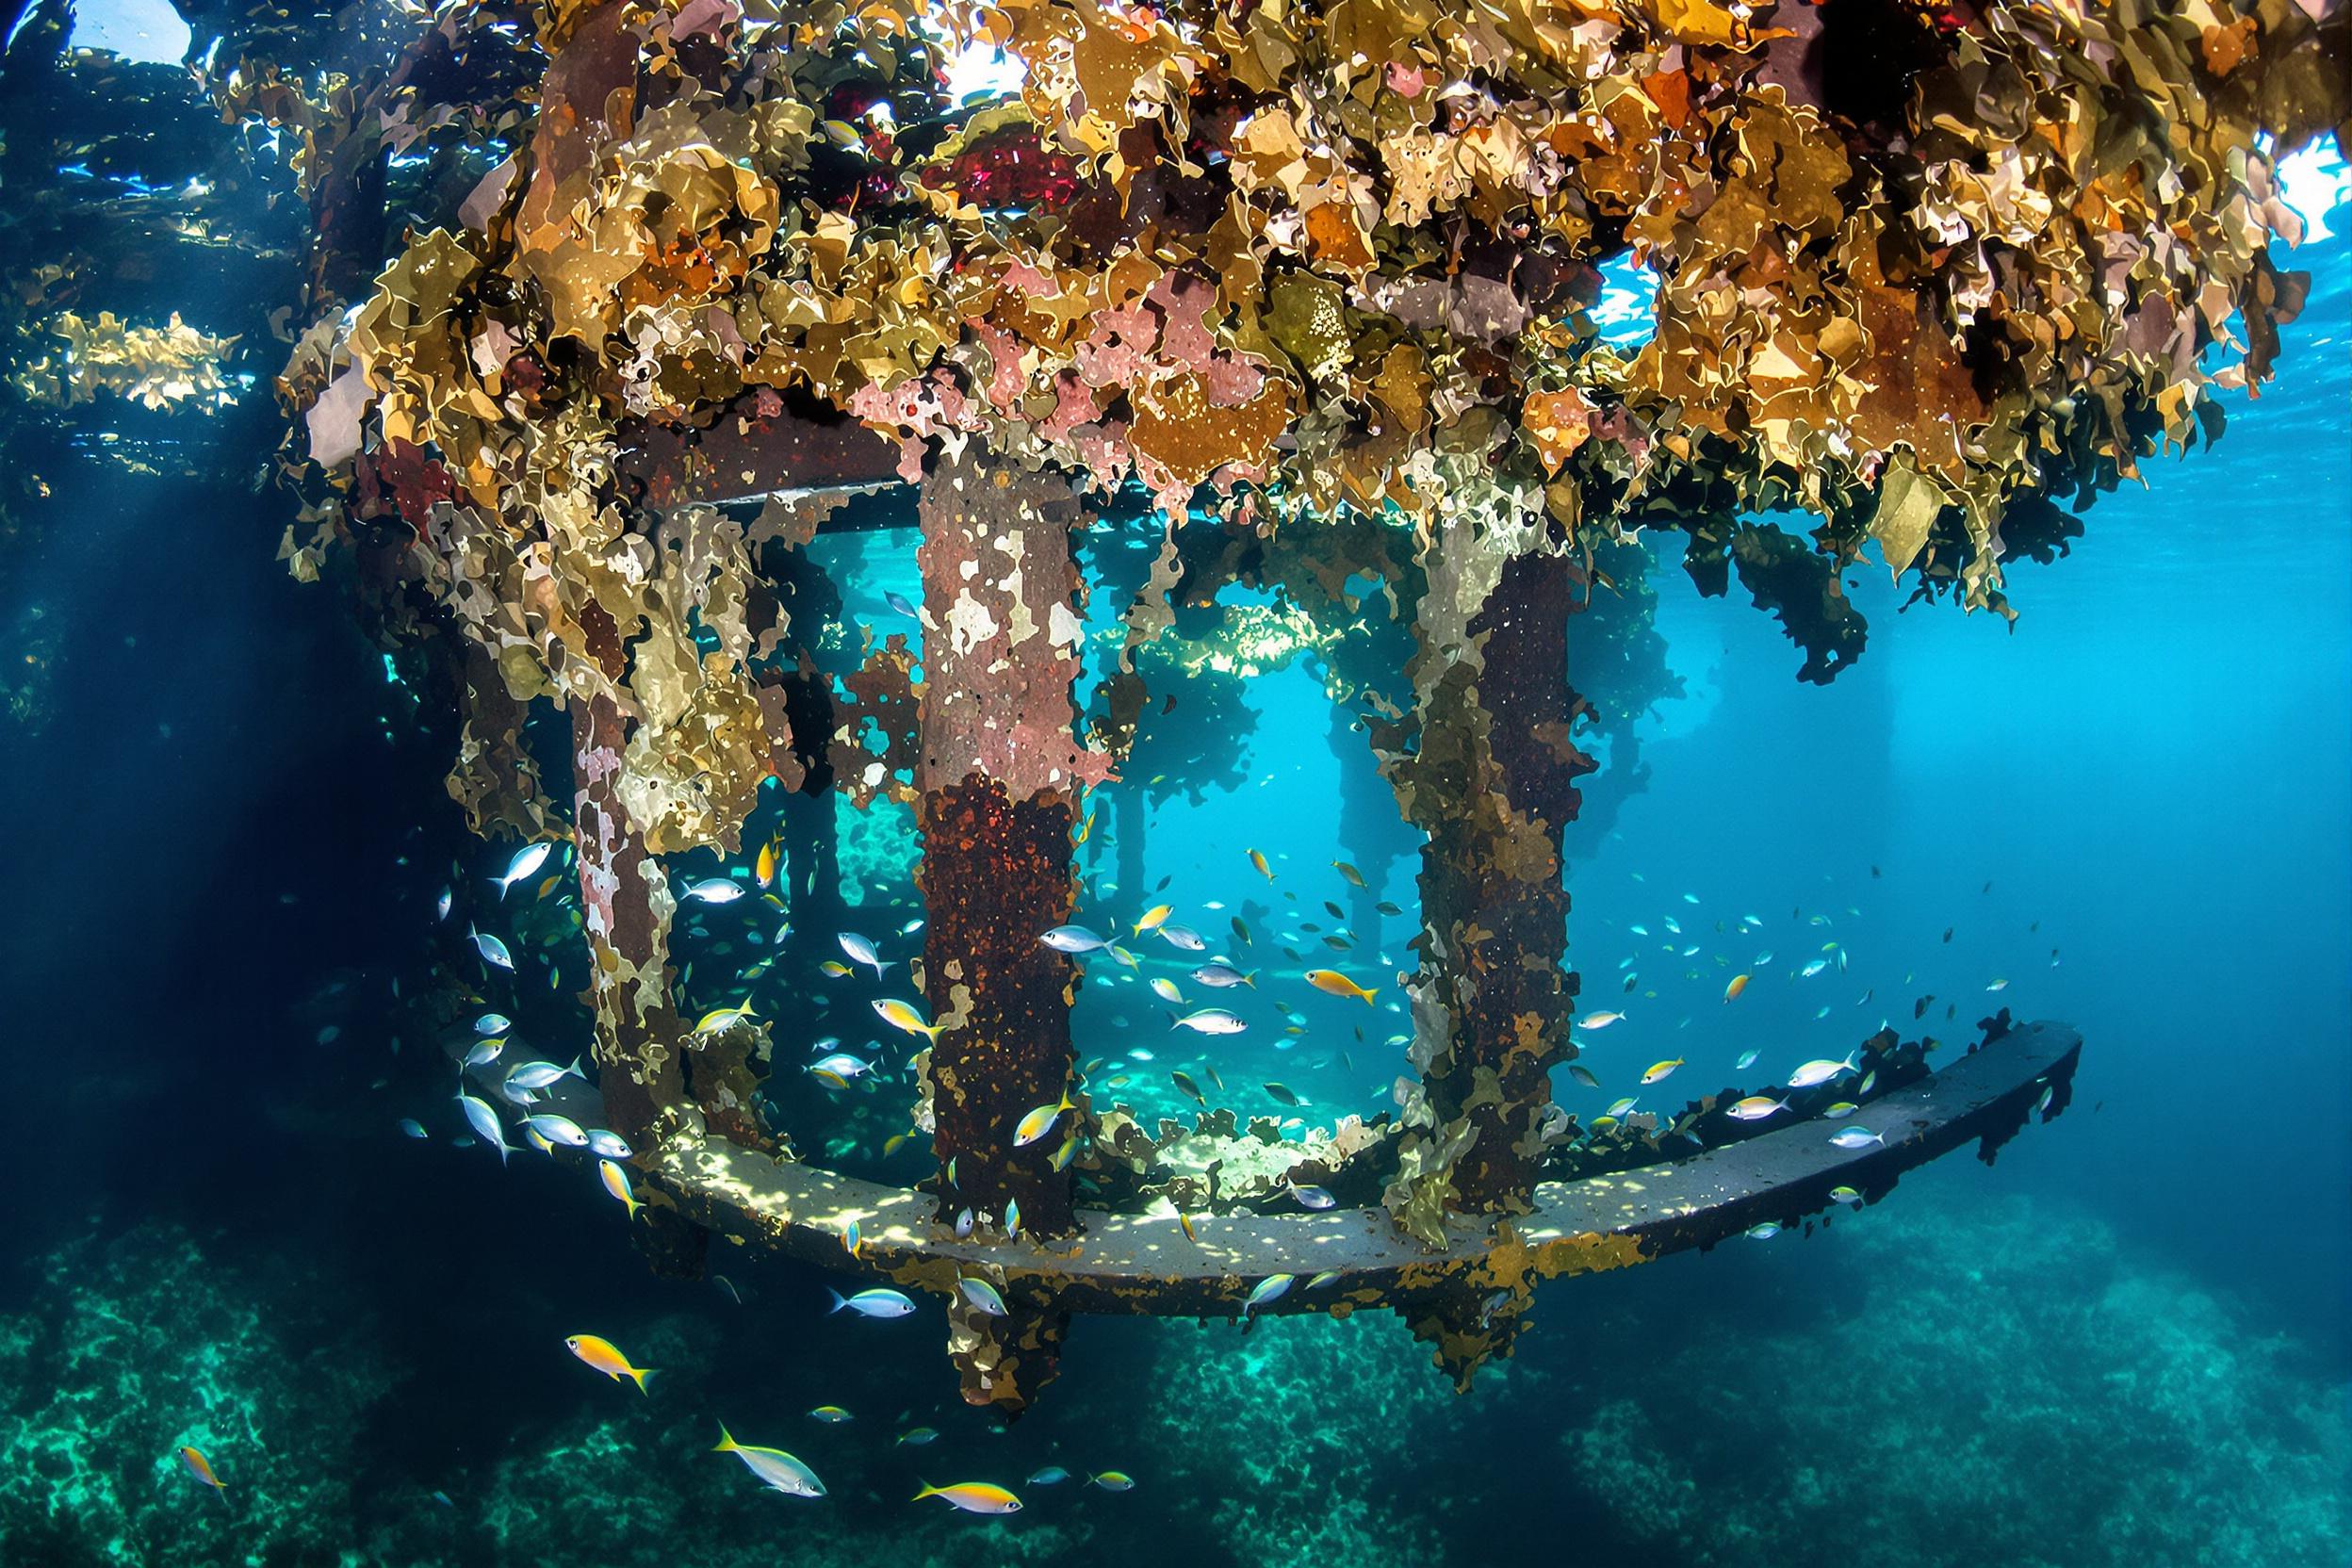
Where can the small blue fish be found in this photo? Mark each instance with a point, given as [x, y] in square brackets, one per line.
[492, 1023]
[1221, 975]
[873, 1303]
[898, 602]
[1747, 1060]
[1313, 1198]
[981, 1296]
[1053, 1475]
[1855, 1137]
[413, 1127]
[1183, 937]
[492, 950]
[1765, 1232]
[965, 1219]
[608, 1144]
[860, 951]
[1266, 1292]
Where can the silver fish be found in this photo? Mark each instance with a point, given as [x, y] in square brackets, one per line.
[860, 951]
[608, 1144]
[558, 1129]
[1210, 1021]
[1266, 1292]
[538, 1075]
[528, 859]
[1820, 1071]
[873, 1303]
[1855, 1137]
[982, 1296]
[492, 950]
[715, 890]
[485, 1123]
[1073, 940]
[774, 1466]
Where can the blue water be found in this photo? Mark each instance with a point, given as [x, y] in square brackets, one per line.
[2125, 1342]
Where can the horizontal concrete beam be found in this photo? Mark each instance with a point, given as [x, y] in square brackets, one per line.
[1146, 1263]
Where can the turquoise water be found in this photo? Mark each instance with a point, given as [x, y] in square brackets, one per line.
[2125, 1343]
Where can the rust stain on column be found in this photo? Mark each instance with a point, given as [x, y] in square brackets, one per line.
[998, 769]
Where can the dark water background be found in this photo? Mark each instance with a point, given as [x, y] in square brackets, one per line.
[2125, 1342]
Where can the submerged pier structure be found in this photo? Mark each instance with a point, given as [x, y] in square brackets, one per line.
[1315, 287]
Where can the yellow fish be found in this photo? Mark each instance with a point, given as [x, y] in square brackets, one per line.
[721, 1018]
[1332, 982]
[1085, 828]
[852, 1241]
[903, 1017]
[600, 1354]
[1039, 1123]
[1661, 1069]
[1264, 869]
[1184, 1221]
[834, 967]
[199, 1466]
[1739, 983]
[1067, 1152]
[974, 1496]
[1154, 918]
[616, 1181]
[763, 869]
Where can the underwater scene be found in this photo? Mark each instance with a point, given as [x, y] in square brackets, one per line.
[1437, 782]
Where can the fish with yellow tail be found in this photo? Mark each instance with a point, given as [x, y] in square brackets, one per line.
[192, 1459]
[1258, 860]
[1332, 983]
[974, 1497]
[1154, 918]
[903, 1017]
[1039, 1123]
[1658, 1070]
[616, 1179]
[778, 1470]
[605, 1358]
[1739, 983]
